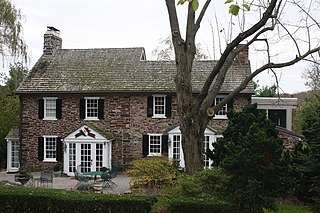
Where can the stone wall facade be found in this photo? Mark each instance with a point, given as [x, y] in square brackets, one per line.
[125, 119]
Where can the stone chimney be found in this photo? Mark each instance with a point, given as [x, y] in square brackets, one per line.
[52, 41]
[243, 56]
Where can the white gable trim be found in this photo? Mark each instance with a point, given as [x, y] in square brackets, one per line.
[86, 134]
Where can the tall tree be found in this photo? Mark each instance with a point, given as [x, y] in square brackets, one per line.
[165, 50]
[9, 105]
[312, 75]
[266, 91]
[193, 110]
[11, 42]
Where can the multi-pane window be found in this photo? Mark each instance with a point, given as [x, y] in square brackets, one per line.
[72, 157]
[15, 154]
[50, 148]
[92, 108]
[154, 144]
[159, 105]
[50, 107]
[176, 144]
[222, 113]
[206, 160]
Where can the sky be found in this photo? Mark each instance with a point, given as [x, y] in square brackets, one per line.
[116, 24]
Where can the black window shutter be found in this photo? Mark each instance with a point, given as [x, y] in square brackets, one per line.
[150, 106]
[230, 104]
[41, 109]
[168, 106]
[58, 108]
[145, 145]
[40, 148]
[101, 108]
[59, 150]
[164, 144]
[82, 108]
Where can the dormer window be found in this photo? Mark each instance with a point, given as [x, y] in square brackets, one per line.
[91, 108]
[159, 106]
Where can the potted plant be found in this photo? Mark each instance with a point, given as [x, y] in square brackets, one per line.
[57, 170]
[23, 177]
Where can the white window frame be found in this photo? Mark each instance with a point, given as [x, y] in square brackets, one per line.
[45, 108]
[149, 145]
[45, 158]
[225, 108]
[159, 115]
[86, 108]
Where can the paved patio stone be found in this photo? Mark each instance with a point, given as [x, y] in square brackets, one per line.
[122, 181]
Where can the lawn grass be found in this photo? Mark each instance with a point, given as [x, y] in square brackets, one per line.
[290, 208]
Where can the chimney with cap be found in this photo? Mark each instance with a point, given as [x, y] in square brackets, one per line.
[243, 56]
[52, 41]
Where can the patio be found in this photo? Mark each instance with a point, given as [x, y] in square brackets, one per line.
[121, 180]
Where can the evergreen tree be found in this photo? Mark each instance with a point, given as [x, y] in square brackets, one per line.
[307, 154]
[253, 155]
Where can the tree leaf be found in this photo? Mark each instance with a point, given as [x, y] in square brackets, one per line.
[228, 1]
[234, 9]
[195, 5]
[246, 6]
[181, 2]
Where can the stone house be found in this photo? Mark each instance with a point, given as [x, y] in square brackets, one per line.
[98, 106]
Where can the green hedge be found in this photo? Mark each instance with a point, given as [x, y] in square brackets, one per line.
[199, 206]
[16, 199]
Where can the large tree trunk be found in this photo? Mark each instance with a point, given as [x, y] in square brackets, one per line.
[192, 123]
[192, 142]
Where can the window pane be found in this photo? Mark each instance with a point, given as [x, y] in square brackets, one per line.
[50, 108]
[155, 144]
[92, 108]
[159, 105]
[223, 110]
[72, 157]
[50, 148]
[279, 117]
[206, 160]
[176, 143]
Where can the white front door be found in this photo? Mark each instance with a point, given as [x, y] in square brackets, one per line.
[88, 152]
[13, 148]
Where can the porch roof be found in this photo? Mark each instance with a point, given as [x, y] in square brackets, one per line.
[13, 133]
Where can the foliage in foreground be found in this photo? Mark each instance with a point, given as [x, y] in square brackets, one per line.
[252, 154]
[307, 154]
[152, 173]
[9, 105]
[21, 199]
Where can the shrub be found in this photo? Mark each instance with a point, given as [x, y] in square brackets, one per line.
[204, 184]
[22, 199]
[151, 172]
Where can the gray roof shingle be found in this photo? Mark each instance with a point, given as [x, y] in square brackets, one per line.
[116, 70]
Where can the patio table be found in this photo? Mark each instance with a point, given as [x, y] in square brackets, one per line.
[95, 174]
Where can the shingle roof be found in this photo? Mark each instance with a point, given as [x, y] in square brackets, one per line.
[116, 70]
[13, 133]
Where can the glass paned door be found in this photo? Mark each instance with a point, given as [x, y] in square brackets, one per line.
[85, 157]
[99, 156]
